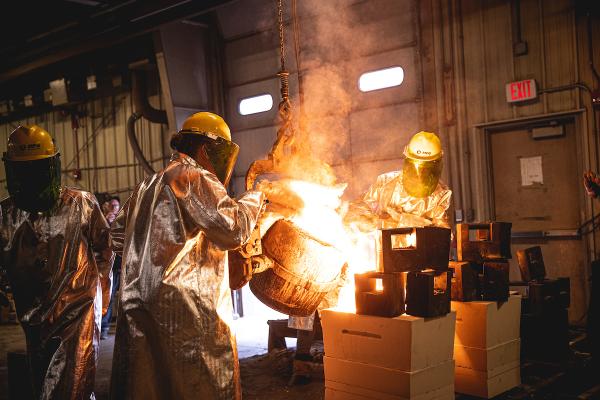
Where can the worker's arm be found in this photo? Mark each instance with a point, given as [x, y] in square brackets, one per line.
[117, 229]
[439, 213]
[204, 203]
[99, 238]
[364, 213]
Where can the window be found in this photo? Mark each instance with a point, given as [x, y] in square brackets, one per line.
[255, 104]
[381, 79]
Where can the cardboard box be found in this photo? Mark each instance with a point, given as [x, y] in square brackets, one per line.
[482, 384]
[390, 381]
[488, 360]
[405, 343]
[486, 324]
[340, 391]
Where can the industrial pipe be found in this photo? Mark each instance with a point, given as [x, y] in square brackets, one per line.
[591, 48]
[137, 150]
[141, 105]
[142, 108]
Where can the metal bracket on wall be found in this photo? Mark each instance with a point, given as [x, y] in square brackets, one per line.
[458, 215]
[550, 234]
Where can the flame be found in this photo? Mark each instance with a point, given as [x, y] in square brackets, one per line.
[318, 213]
[320, 217]
[379, 285]
[411, 240]
[310, 198]
[404, 241]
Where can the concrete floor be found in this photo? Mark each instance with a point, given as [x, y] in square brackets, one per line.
[11, 339]
[264, 377]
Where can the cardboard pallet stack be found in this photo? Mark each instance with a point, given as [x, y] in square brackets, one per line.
[370, 357]
[487, 341]
[487, 346]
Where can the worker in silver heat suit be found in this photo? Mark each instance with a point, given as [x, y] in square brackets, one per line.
[51, 238]
[413, 196]
[173, 338]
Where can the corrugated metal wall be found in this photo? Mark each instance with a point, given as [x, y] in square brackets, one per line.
[476, 41]
[557, 56]
[105, 157]
[550, 30]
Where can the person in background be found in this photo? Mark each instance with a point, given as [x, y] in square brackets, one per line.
[591, 183]
[173, 337]
[111, 208]
[413, 196]
[49, 235]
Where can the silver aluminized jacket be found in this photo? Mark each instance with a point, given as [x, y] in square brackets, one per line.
[56, 281]
[173, 338]
[387, 205]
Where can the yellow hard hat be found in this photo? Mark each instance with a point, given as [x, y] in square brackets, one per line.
[32, 165]
[221, 151]
[28, 143]
[207, 123]
[423, 164]
[424, 146]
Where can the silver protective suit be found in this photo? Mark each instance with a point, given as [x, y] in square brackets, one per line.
[58, 287]
[387, 205]
[173, 339]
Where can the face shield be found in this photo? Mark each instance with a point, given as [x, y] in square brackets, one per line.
[421, 177]
[34, 185]
[422, 164]
[222, 155]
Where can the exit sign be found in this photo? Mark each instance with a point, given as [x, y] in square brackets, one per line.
[521, 91]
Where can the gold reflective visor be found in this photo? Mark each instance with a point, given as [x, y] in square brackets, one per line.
[420, 178]
[223, 155]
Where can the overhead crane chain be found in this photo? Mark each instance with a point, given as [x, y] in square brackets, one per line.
[286, 131]
[281, 33]
[285, 134]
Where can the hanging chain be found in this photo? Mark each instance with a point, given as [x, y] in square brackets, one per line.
[281, 33]
[284, 75]
[285, 132]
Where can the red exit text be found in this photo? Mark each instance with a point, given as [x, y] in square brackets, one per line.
[521, 91]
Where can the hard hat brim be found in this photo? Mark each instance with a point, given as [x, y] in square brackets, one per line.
[29, 158]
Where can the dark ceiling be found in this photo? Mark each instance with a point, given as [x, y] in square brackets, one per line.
[35, 34]
[45, 40]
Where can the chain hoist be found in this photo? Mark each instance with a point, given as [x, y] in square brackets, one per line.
[286, 131]
[284, 145]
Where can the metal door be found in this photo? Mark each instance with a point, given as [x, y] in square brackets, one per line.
[536, 186]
